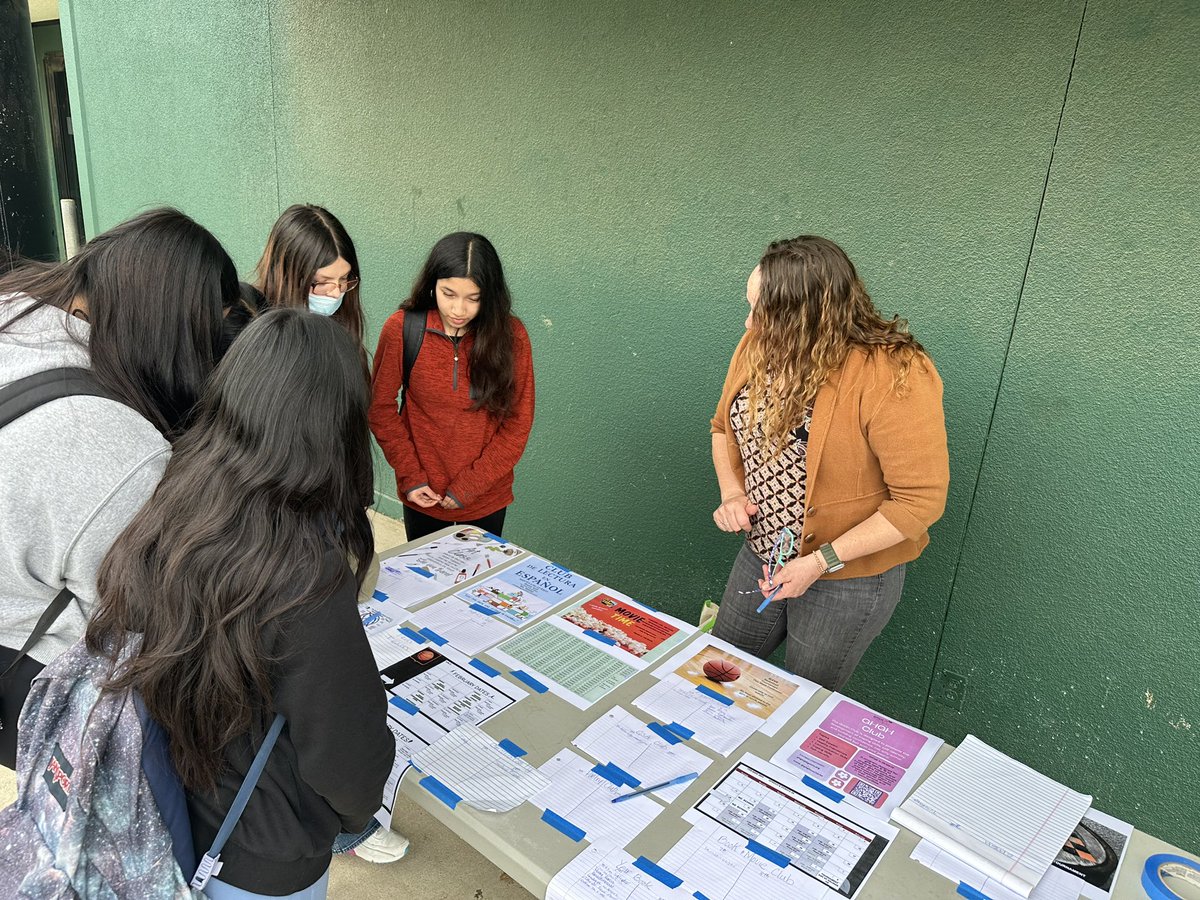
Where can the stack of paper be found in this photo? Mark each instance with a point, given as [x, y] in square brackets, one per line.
[995, 814]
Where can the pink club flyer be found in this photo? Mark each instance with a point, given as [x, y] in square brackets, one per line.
[869, 760]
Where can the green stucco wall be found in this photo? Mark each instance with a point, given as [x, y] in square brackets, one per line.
[631, 160]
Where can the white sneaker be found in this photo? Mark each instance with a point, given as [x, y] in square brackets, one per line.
[384, 846]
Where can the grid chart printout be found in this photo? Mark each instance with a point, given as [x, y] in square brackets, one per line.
[420, 572]
[832, 850]
[621, 738]
[479, 770]
[583, 796]
[605, 872]
[575, 667]
[997, 815]
[445, 690]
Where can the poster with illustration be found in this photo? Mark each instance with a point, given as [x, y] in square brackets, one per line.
[869, 759]
[423, 571]
[612, 618]
[524, 591]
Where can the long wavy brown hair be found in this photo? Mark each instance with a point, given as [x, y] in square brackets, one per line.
[303, 239]
[812, 311]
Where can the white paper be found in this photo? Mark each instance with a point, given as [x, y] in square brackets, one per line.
[716, 862]
[946, 865]
[870, 760]
[447, 690]
[831, 846]
[407, 744]
[584, 798]
[995, 814]
[605, 872]
[724, 705]
[1088, 866]
[621, 738]
[389, 644]
[463, 627]
[474, 766]
[420, 572]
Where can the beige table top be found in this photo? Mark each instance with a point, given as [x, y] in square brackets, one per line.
[532, 852]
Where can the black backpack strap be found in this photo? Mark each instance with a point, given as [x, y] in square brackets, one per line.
[60, 602]
[27, 394]
[414, 336]
[16, 399]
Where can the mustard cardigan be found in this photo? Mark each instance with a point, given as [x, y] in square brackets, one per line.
[869, 450]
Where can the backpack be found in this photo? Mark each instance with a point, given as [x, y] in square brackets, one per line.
[100, 811]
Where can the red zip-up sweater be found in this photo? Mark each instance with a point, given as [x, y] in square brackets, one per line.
[439, 440]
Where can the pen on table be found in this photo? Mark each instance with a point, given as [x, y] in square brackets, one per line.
[770, 597]
[657, 787]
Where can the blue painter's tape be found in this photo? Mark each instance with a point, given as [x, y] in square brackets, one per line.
[424, 573]
[602, 638]
[970, 893]
[699, 896]
[524, 676]
[434, 636]
[486, 610]
[709, 692]
[511, 749]
[768, 854]
[378, 595]
[496, 538]
[562, 569]
[657, 872]
[484, 668]
[835, 796]
[554, 820]
[405, 705]
[440, 791]
[683, 731]
[625, 777]
[412, 635]
[608, 774]
[665, 733]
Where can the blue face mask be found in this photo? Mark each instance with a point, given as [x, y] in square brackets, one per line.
[324, 306]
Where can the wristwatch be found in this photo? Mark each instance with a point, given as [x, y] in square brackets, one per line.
[832, 563]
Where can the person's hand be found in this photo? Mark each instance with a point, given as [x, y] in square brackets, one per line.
[734, 513]
[793, 579]
[424, 496]
[449, 502]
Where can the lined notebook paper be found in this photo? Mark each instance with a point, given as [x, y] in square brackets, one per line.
[995, 814]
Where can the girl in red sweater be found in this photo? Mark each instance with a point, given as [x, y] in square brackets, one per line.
[466, 412]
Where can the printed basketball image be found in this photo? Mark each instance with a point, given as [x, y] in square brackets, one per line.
[425, 655]
[721, 671]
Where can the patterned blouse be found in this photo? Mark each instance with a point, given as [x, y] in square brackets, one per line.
[776, 485]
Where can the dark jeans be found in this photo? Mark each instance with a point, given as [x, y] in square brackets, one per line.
[417, 524]
[828, 628]
[14, 688]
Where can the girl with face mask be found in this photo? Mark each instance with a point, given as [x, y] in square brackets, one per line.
[309, 263]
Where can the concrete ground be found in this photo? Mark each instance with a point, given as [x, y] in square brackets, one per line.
[439, 865]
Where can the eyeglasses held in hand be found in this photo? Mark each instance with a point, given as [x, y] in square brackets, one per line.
[785, 543]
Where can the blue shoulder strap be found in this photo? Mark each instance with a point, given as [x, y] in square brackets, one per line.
[210, 865]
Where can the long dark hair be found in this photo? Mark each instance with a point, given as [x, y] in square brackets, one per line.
[303, 239]
[154, 288]
[275, 471]
[812, 310]
[465, 254]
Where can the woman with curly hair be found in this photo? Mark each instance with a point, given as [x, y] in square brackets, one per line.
[829, 445]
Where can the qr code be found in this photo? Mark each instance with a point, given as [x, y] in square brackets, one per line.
[872, 796]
